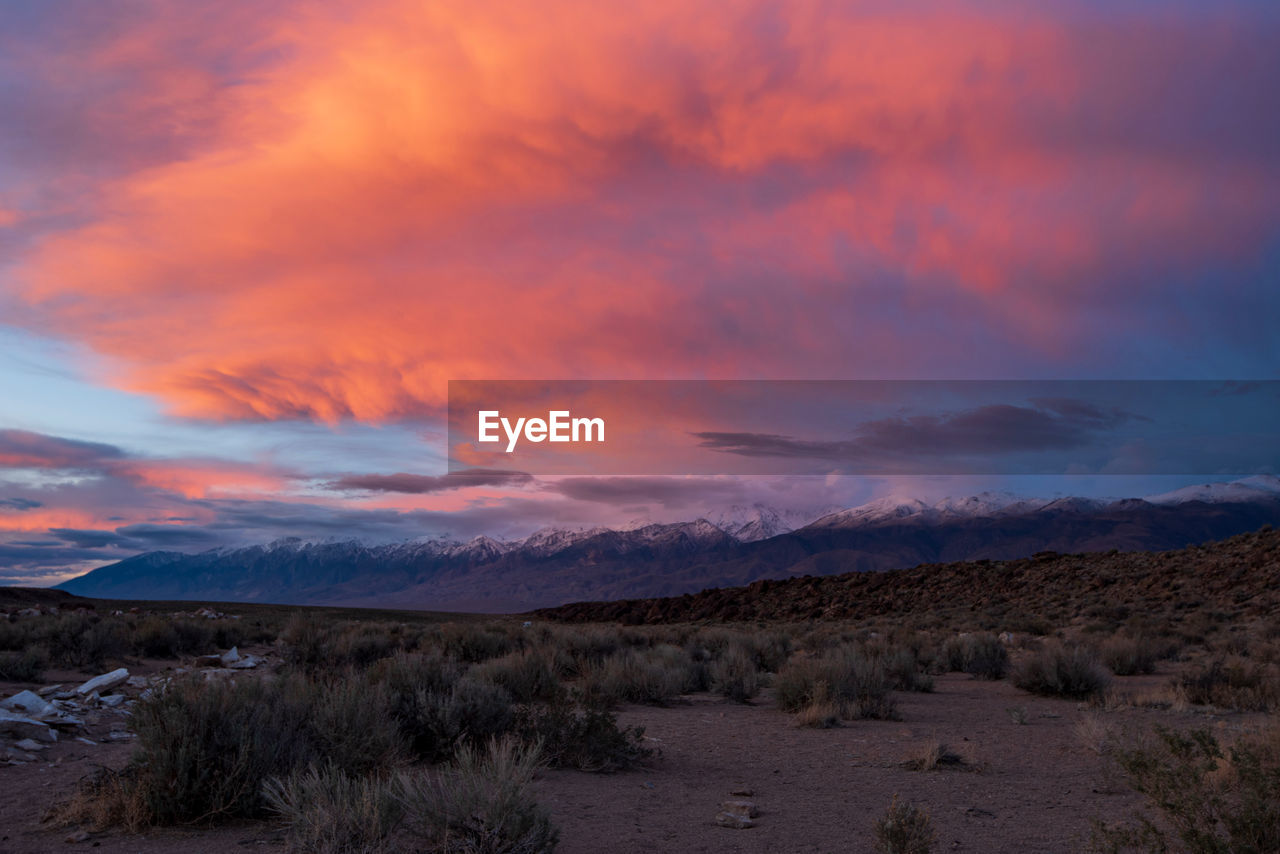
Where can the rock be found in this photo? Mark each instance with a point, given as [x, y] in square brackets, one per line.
[103, 682]
[245, 663]
[29, 703]
[214, 673]
[29, 745]
[78, 836]
[230, 657]
[65, 722]
[83, 740]
[743, 808]
[737, 822]
[119, 736]
[112, 700]
[20, 756]
[21, 726]
[49, 689]
[137, 682]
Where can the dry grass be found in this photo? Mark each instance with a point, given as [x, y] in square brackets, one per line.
[1094, 733]
[933, 755]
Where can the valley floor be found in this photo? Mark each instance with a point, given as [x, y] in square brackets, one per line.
[1032, 778]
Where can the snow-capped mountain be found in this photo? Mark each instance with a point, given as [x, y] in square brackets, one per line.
[1256, 488]
[553, 566]
[748, 523]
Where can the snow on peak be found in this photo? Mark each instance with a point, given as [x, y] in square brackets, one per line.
[1261, 487]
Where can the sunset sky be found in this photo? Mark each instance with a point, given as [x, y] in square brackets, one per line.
[245, 245]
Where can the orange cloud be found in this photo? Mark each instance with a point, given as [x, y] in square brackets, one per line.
[202, 479]
[405, 194]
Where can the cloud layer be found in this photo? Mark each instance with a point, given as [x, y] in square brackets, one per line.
[328, 210]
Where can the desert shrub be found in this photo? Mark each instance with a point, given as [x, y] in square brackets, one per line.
[472, 643]
[421, 700]
[904, 670]
[362, 645]
[771, 650]
[104, 799]
[933, 755]
[354, 729]
[819, 711]
[156, 637]
[329, 812]
[653, 676]
[16, 635]
[482, 805]
[308, 642]
[229, 633]
[1129, 656]
[735, 675]
[477, 711]
[526, 675]
[904, 829]
[981, 655]
[854, 681]
[164, 637]
[435, 723]
[204, 749]
[587, 739]
[589, 646]
[408, 672]
[81, 640]
[768, 650]
[1062, 671]
[1231, 684]
[27, 665]
[1213, 801]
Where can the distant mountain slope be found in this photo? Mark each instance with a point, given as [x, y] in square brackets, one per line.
[553, 566]
[1237, 579]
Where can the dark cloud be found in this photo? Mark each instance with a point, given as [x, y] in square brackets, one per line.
[23, 449]
[667, 491]
[90, 538]
[148, 535]
[19, 504]
[19, 558]
[988, 432]
[418, 484]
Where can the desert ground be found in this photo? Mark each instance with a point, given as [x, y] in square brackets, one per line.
[685, 737]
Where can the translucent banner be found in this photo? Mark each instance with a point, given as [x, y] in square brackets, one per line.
[872, 427]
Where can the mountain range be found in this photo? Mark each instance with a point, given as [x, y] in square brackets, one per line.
[553, 566]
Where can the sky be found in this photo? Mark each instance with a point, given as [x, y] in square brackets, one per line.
[244, 246]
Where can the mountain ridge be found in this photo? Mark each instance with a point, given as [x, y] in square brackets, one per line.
[555, 566]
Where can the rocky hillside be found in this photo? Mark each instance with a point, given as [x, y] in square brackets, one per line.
[1235, 579]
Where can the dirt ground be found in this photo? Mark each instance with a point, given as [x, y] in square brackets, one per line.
[1024, 787]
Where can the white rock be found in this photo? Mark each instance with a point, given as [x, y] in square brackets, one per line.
[28, 703]
[25, 727]
[245, 663]
[29, 745]
[112, 700]
[138, 682]
[103, 682]
[230, 657]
